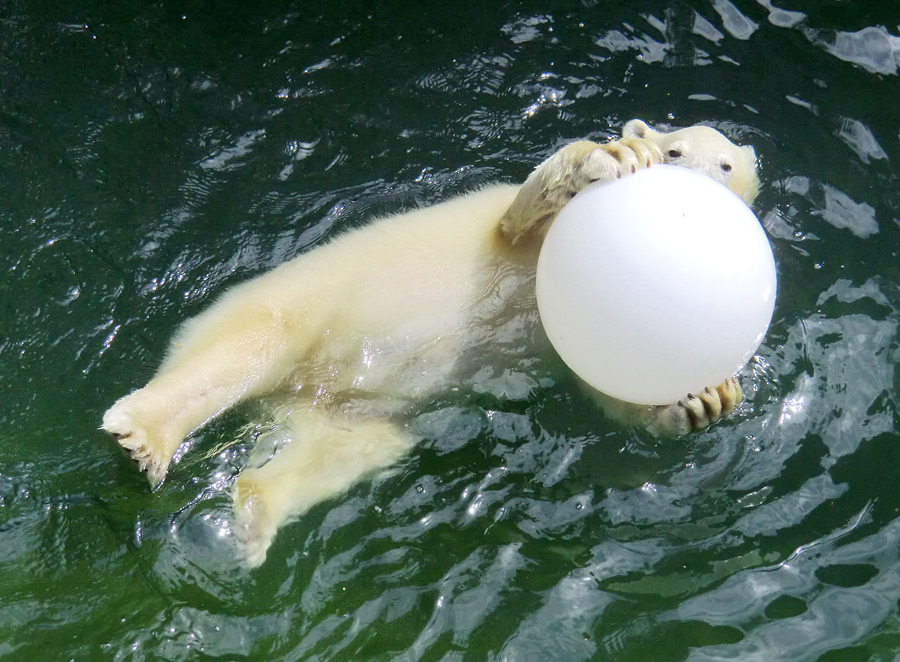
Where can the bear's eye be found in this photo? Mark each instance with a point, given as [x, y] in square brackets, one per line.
[673, 153]
[726, 167]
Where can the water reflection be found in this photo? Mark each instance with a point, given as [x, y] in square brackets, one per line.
[872, 48]
[861, 140]
[735, 23]
[825, 624]
[151, 158]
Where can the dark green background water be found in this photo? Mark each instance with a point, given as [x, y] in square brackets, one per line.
[151, 154]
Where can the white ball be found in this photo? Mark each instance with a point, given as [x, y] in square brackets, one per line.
[656, 285]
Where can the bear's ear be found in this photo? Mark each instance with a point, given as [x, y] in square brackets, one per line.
[636, 129]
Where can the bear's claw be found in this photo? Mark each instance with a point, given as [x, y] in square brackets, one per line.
[622, 157]
[144, 460]
[712, 403]
[136, 445]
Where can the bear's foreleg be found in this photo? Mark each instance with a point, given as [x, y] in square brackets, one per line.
[556, 181]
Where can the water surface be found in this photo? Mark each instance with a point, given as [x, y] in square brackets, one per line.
[151, 155]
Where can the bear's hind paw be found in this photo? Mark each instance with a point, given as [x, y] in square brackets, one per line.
[254, 525]
[143, 458]
[136, 445]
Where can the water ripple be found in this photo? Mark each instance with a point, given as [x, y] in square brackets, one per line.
[160, 156]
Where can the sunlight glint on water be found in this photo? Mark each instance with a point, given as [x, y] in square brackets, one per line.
[152, 158]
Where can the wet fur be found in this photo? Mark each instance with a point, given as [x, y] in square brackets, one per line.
[383, 316]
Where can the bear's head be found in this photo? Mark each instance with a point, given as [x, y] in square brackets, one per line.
[705, 150]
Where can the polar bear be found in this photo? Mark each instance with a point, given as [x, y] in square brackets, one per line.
[359, 328]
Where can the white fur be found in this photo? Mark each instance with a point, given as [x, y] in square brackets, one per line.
[380, 316]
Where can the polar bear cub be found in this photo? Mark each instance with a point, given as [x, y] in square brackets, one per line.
[359, 328]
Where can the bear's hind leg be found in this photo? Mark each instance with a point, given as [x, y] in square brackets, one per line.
[223, 358]
[325, 457]
[137, 422]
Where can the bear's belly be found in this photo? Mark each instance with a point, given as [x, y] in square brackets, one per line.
[442, 341]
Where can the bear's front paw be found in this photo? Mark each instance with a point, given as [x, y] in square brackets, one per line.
[146, 453]
[622, 157]
[558, 179]
[696, 412]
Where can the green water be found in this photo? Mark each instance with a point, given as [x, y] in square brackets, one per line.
[151, 154]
